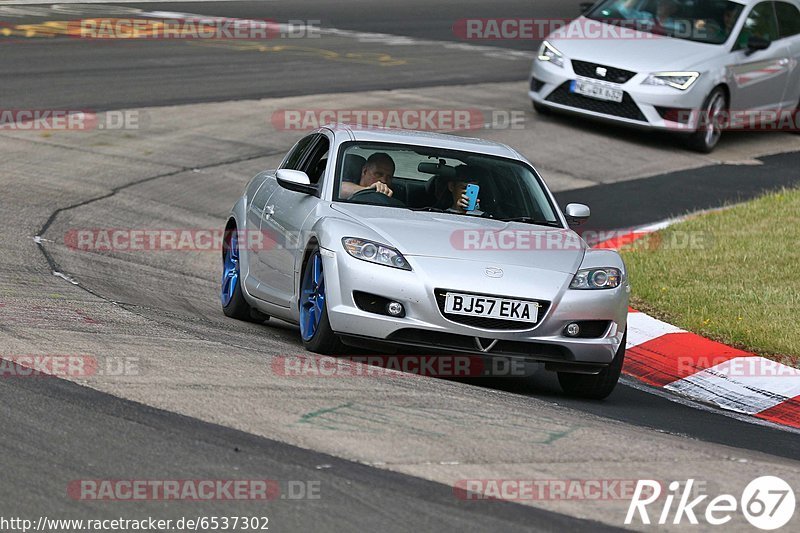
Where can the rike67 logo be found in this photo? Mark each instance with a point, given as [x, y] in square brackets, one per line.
[767, 503]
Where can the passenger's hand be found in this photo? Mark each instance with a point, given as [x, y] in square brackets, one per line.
[463, 202]
[382, 188]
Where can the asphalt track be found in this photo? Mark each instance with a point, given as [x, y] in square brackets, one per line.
[195, 362]
[65, 72]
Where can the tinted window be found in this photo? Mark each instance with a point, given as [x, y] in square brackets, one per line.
[295, 157]
[788, 19]
[760, 22]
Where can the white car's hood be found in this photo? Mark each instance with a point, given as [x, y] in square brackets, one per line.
[636, 51]
[421, 233]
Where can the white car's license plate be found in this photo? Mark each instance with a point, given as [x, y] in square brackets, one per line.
[489, 307]
[596, 90]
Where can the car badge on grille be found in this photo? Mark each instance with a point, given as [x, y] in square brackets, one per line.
[480, 346]
[601, 71]
[493, 272]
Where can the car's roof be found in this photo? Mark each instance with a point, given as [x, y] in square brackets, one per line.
[425, 138]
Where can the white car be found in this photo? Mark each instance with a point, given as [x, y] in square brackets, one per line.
[691, 66]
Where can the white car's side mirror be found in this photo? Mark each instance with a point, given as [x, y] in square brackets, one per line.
[577, 214]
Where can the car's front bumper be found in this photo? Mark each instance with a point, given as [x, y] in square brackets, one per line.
[425, 326]
[643, 106]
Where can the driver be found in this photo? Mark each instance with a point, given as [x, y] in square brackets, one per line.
[376, 174]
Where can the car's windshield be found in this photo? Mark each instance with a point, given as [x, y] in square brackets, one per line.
[708, 21]
[432, 179]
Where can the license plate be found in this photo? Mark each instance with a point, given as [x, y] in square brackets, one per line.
[489, 307]
[596, 90]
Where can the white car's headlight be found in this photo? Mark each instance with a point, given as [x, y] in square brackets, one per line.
[548, 52]
[374, 252]
[678, 80]
[596, 278]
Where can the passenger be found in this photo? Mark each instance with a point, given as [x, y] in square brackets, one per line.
[376, 174]
[459, 201]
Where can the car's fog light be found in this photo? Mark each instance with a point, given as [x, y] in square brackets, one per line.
[572, 330]
[394, 308]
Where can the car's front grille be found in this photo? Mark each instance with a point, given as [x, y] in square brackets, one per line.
[625, 109]
[442, 341]
[590, 70]
[489, 323]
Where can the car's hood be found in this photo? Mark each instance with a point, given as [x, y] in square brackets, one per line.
[421, 233]
[636, 51]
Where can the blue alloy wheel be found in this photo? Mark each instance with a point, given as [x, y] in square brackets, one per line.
[230, 267]
[312, 298]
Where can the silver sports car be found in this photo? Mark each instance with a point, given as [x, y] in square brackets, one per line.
[386, 238]
[689, 66]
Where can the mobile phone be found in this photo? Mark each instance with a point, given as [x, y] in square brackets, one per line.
[472, 194]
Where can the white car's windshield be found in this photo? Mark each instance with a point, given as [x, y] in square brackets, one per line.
[432, 179]
[708, 21]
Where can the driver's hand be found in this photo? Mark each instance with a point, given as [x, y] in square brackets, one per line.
[381, 187]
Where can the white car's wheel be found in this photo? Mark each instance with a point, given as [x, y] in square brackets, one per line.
[595, 386]
[709, 127]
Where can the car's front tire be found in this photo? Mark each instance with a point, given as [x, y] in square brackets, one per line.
[709, 128]
[595, 386]
[233, 303]
[315, 328]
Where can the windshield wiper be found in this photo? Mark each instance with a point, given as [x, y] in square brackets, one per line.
[531, 220]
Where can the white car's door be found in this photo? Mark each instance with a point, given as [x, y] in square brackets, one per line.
[283, 224]
[759, 77]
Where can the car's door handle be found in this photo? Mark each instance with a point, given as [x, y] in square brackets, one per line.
[270, 209]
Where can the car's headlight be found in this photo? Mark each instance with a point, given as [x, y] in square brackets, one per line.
[596, 278]
[548, 52]
[678, 80]
[375, 253]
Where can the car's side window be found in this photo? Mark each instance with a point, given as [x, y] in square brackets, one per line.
[788, 19]
[317, 159]
[295, 157]
[760, 22]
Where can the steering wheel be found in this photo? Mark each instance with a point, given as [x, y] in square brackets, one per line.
[371, 196]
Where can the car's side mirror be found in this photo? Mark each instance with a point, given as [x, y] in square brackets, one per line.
[577, 214]
[295, 180]
[586, 6]
[756, 43]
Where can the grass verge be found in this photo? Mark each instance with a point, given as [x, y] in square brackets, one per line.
[731, 275]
